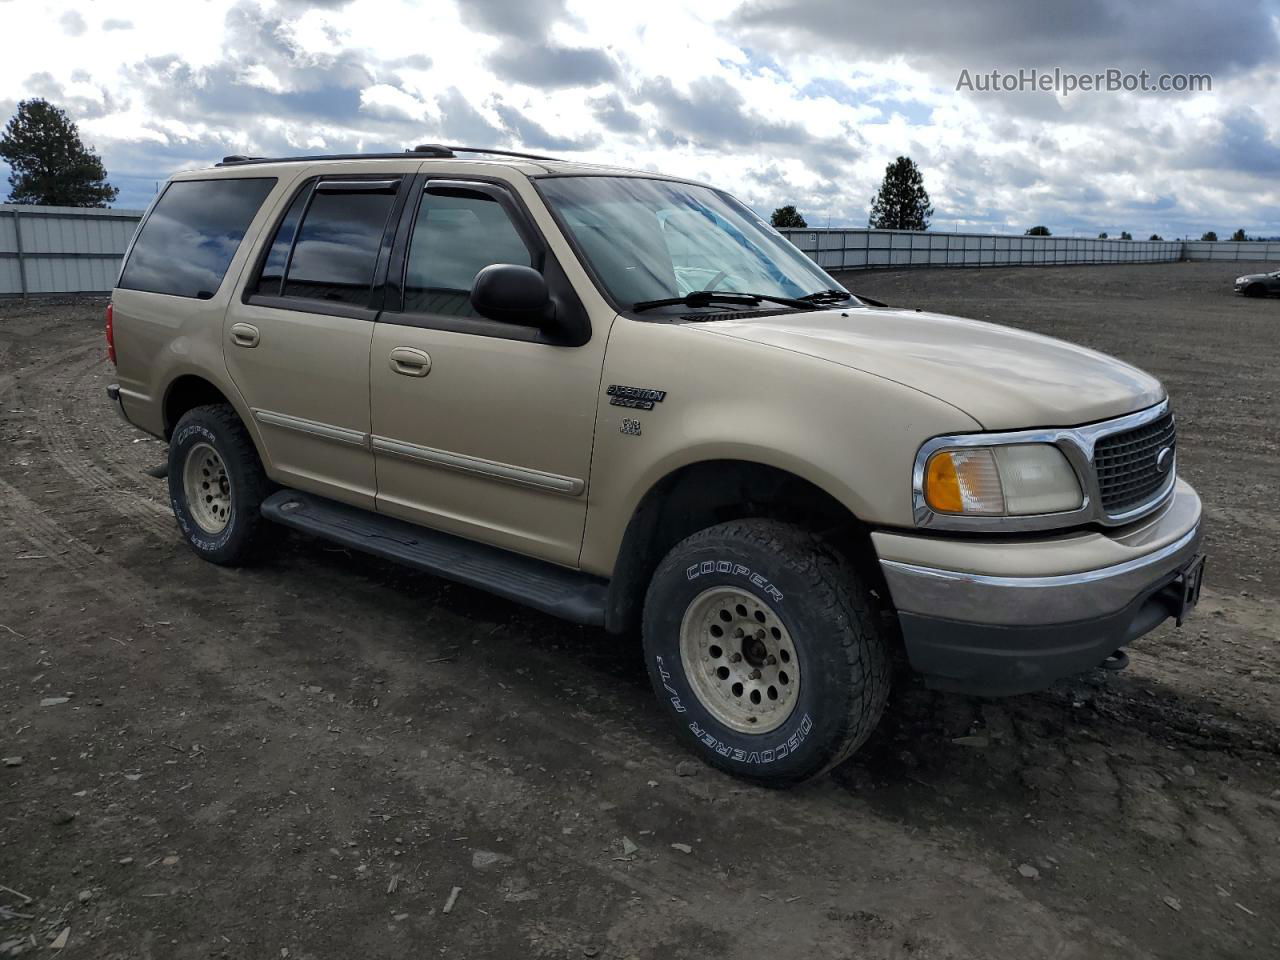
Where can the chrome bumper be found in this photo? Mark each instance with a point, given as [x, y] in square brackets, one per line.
[994, 631]
[1013, 601]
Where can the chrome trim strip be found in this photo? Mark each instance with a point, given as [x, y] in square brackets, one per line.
[570, 486]
[1077, 445]
[1027, 601]
[313, 428]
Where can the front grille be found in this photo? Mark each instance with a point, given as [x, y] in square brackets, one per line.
[1125, 464]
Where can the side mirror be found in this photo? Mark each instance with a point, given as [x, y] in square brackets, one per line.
[512, 294]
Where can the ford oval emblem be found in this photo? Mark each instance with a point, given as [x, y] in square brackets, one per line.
[1164, 460]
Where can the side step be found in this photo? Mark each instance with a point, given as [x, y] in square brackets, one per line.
[544, 586]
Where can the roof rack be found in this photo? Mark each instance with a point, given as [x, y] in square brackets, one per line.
[434, 150]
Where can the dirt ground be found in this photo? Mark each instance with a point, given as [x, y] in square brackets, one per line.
[308, 758]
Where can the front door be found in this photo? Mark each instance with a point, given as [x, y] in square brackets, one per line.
[480, 428]
[297, 343]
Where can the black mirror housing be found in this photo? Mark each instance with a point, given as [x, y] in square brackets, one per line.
[512, 294]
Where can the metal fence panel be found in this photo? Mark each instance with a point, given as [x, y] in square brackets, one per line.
[844, 249]
[62, 249]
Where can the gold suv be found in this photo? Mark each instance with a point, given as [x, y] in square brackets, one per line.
[624, 399]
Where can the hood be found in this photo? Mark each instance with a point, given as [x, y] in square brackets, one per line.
[1004, 378]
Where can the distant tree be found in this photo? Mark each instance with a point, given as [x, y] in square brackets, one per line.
[50, 163]
[1126, 235]
[1039, 231]
[1239, 235]
[902, 203]
[1209, 235]
[1155, 236]
[787, 216]
[1102, 235]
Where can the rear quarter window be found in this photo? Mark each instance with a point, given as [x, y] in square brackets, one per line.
[187, 243]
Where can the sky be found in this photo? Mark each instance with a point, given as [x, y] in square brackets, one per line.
[778, 101]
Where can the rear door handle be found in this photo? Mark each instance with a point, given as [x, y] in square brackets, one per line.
[409, 362]
[245, 335]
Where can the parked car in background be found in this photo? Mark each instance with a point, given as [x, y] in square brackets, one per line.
[1258, 284]
[626, 400]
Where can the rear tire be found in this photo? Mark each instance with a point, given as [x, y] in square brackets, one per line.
[217, 485]
[763, 646]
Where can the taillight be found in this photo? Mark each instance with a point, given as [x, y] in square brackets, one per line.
[111, 333]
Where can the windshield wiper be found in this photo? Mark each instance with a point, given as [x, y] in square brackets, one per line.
[831, 296]
[704, 298]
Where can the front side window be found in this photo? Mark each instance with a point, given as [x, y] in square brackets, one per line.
[338, 242]
[192, 234]
[657, 239]
[457, 233]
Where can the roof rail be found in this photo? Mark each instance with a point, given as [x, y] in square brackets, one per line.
[434, 150]
[487, 150]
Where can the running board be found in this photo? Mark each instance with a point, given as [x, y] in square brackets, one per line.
[544, 586]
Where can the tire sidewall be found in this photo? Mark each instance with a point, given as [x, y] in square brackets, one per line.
[226, 544]
[817, 726]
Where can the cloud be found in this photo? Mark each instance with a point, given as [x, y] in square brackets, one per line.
[463, 124]
[72, 23]
[112, 23]
[551, 66]
[613, 114]
[522, 19]
[1162, 35]
[529, 133]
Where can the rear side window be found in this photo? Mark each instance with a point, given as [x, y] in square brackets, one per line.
[455, 236]
[272, 274]
[192, 234]
[337, 244]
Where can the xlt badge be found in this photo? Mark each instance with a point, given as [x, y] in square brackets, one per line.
[637, 398]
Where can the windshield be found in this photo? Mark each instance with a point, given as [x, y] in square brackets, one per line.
[651, 240]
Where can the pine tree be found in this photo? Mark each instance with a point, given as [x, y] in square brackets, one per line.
[787, 216]
[50, 163]
[1209, 235]
[1039, 231]
[902, 203]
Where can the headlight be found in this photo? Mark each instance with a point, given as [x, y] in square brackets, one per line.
[1012, 480]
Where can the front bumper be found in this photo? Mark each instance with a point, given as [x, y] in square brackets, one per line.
[999, 617]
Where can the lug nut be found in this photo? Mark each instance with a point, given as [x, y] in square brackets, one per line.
[772, 661]
[754, 675]
[735, 658]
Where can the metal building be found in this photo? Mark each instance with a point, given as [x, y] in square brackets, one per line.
[62, 249]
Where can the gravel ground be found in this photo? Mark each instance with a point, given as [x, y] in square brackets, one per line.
[326, 756]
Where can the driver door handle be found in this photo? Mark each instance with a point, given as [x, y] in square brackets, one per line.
[245, 335]
[409, 362]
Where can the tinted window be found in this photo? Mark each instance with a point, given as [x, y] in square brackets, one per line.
[454, 237]
[194, 230]
[273, 267]
[337, 246]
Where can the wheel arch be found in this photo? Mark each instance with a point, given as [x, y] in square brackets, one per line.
[701, 494]
[189, 390]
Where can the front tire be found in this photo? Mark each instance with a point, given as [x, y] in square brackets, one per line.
[763, 645]
[1255, 290]
[217, 485]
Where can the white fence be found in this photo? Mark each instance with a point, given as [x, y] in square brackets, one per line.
[62, 249]
[78, 250]
[862, 249]
[1230, 250]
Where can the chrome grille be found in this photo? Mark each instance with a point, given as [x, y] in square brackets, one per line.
[1125, 464]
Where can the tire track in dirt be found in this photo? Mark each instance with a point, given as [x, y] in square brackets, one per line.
[84, 468]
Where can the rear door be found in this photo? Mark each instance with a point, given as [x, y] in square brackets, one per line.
[479, 427]
[297, 341]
